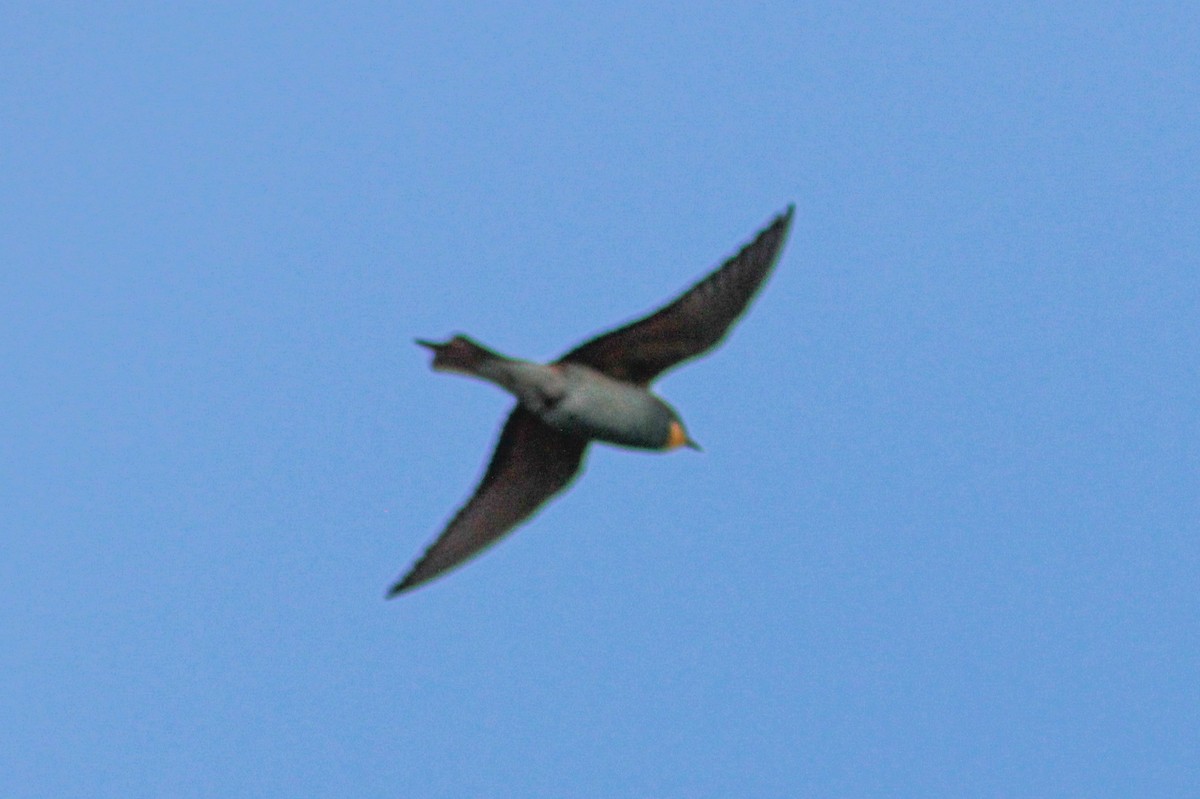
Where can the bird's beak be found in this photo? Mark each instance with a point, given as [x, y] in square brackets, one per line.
[693, 445]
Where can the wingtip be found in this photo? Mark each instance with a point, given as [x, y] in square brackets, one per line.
[415, 577]
[398, 588]
[781, 225]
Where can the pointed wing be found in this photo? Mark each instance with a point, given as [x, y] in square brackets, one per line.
[695, 322]
[532, 463]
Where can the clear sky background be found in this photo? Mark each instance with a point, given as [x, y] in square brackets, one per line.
[942, 540]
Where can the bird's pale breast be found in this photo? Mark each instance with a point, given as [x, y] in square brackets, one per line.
[596, 406]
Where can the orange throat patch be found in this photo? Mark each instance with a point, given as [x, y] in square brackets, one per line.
[676, 436]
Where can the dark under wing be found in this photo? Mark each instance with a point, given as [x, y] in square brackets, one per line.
[693, 323]
[532, 463]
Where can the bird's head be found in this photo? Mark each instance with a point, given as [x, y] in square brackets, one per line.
[678, 437]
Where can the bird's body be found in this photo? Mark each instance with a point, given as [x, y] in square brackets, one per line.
[598, 407]
[569, 397]
[598, 391]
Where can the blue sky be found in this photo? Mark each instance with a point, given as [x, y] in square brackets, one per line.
[943, 537]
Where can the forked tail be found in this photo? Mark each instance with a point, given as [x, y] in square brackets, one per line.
[460, 354]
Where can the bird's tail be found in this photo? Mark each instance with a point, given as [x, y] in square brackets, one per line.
[460, 354]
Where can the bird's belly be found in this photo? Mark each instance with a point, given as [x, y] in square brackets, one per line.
[611, 412]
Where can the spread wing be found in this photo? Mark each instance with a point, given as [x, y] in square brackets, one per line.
[694, 323]
[532, 463]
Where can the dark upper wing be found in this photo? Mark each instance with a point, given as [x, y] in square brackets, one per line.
[532, 462]
[694, 322]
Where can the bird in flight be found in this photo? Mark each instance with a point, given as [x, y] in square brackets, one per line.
[599, 391]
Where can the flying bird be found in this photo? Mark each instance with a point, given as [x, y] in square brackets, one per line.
[599, 391]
